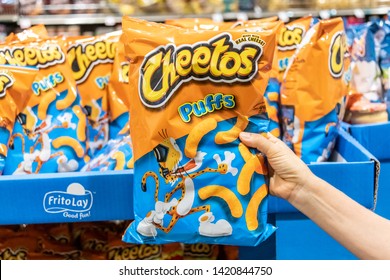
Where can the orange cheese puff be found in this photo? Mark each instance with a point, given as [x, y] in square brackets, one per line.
[82, 124]
[253, 208]
[224, 137]
[196, 135]
[70, 142]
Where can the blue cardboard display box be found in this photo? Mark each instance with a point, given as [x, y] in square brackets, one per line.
[374, 137]
[97, 196]
[351, 169]
[66, 197]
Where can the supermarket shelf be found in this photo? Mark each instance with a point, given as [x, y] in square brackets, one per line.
[74, 19]
[113, 18]
[9, 18]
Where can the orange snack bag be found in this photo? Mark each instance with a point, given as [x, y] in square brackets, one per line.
[91, 59]
[191, 94]
[48, 136]
[312, 103]
[118, 97]
[36, 32]
[289, 38]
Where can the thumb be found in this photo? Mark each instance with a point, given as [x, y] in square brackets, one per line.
[263, 142]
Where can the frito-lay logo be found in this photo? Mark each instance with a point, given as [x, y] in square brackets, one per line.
[6, 82]
[337, 51]
[84, 57]
[290, 37]
[134, 252]
[9, 254]
[40, 56]
[219, 60]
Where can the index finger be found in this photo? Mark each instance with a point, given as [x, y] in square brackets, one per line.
[263, 142]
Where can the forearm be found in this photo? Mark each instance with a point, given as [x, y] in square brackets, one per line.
[361, 231]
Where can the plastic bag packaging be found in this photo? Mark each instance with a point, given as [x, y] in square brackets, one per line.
[312, 105]
[194, 181]
[35, 32]
[289, 38]
[117, 154]
[383, 36]
[365, 70]
[15, 92]
[273, 89]
[50, 133]
[91, 59]
[118, 97]
[366, 101]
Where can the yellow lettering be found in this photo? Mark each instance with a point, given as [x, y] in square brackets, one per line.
[233, 58]
[290, 37]
[84, 57]
[5, 82]
[183, 62]
[9, 254]
[201, 60]
[219, 48]
[134, 252]
[336, 55]
[220, 59]
[40, 57]
[124, 74]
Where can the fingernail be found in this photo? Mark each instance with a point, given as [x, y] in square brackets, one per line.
[245, 135]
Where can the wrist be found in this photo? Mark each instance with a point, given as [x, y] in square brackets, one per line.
[302, 189]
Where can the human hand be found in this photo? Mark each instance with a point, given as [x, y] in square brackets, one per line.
[290, 173]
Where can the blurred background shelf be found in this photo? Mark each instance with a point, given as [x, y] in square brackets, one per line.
[110, 12]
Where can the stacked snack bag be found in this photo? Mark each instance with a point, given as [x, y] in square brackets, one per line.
[49, 135]
[14, 94]
[91, 59]
[366, 103]
[311, 104]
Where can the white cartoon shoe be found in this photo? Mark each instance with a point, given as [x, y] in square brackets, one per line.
[210, 229]
[147, 226]
[161, 208]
